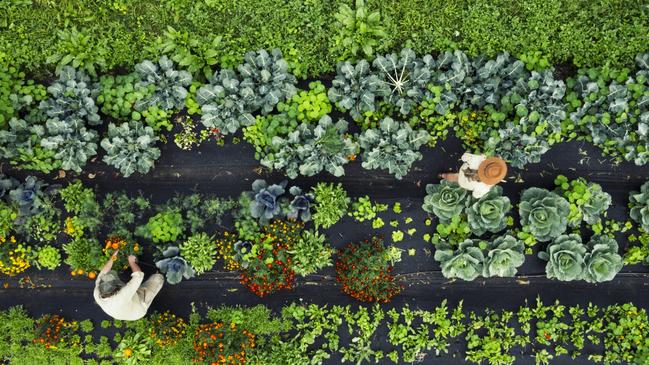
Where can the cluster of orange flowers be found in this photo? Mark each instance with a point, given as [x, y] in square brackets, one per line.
[14, 258]
[167, 328]
[54, 330]
[117, 243]
[219, 344]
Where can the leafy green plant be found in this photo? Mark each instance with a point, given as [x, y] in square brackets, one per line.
[639, 204]
[17, 94]
[133, 349]
[78, 49]
[268, 78]
[310, 253]
[355, 88]
[331, 204]
[130, 147]
[433, 115]
[200, 252]
[190, 51]
[72, 98]
[85, 214]
[84, 254]
[394, 145]
[365, 272]
[226, 104]
[174, 266]
[543, 213]
[360, 32]
[503, 256]
[602, 260]
[119, 94]
[8, 215]
[445, 200]
[465, 262]
[21, 145]
[363, 209]
[307, 105]
[166, 226]
[308, 150]
[167, 87]
[265, 128]
[48, 257]
[489, 213]
[587, 200]
[71, 144]
[566, 258]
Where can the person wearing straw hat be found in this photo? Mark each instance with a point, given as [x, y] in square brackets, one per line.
[125, 301]
[478, 173]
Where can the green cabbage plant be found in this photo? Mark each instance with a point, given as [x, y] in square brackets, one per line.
[309, 150]
[543, 213]
[225, 104]
[355, 88]
[489, 213]
[465, 262]
[566, 257]
[603, 261]
[130, 147]
[393, 146]
[268, 77]
[503, 257]
[639, 204]
[445, 200]
[167, 86]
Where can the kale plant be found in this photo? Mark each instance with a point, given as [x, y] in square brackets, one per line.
[445, 200]
[225, 103]
[503, 257]
[393, 146]
[308, 150]
[70, 142]
[268, 77]
[489, 213]
[72, 98]
[355, 88]
[130, 147]
[543, 213]
[167, 87]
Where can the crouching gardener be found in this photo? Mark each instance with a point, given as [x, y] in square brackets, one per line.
[478, 173]
[130, 301]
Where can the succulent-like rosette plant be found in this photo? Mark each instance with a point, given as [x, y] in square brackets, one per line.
[173, 266]
[266, 203]
[603, 261]
[504, 255]
[489, 213]
[393, 146]
[466, 262]
[639, 204]
[445, 200]
[544, 213]
[565, 257]
[300, 206]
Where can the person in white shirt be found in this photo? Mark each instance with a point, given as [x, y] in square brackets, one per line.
[478, 173]
[130, 301]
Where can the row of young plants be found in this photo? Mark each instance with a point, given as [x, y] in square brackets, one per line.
[312, 334]
[499, 106]
[278, 233]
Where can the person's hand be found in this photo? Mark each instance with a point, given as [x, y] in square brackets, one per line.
[114, 255]
[132, 260]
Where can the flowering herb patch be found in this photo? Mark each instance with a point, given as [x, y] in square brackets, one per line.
[167, 328]
[53, 331]
[221, 344]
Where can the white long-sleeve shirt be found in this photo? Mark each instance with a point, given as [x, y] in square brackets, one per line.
[468, 176]
[126, 304]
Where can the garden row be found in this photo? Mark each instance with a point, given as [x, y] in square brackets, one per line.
[314, 334]
[103, 37]
[400, 101]
[280, 231]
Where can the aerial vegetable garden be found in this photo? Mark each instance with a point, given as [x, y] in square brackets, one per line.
[283, 179]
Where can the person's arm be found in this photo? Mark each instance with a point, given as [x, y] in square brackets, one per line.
[132, 262]
[109, 264]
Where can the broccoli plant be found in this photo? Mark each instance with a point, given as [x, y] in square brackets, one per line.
[543, 213]
[167, 87]
[72, 98]
[566, 258]
[393, 146]
[225, 103]
[130, 147]
[355, 88]
[70, 142]
[265, 204]
[603, 261]
[308, 150]
[465, 262]
[503, 257]
[489, 213]
[268, 77]
[639, 204]
[404, 78]
[174, 266]
[445, 200]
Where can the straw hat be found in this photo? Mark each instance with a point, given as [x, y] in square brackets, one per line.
[492, 170]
